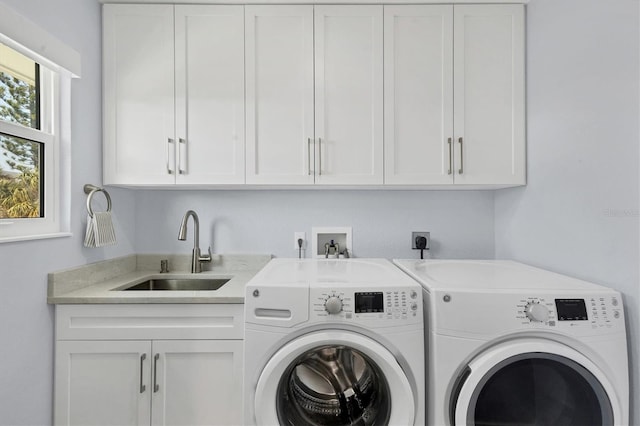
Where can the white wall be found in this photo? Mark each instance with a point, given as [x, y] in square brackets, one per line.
[26, 321]
[579, 213]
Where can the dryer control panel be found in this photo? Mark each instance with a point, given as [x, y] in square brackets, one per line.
[595, 311]
[388, 305]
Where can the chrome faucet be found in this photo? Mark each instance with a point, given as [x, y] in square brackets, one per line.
[196, 257]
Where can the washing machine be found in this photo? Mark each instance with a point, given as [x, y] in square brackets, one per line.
[333, 342]
[509, 344]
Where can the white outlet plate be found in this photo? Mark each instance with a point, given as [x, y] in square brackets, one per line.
[298, 235]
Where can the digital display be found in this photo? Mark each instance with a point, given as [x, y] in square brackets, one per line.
[571, 310]
[369, 302]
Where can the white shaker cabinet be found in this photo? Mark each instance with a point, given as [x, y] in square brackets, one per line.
[454, 95]
[138, 94]
[418, 73]
[314, 95]
[489, 95]
[148, 365]
[279, 84]
[173, 94]
[348, 94]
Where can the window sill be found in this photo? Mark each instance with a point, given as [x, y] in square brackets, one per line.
[35, 237]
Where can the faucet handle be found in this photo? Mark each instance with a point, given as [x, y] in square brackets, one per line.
[206, 257]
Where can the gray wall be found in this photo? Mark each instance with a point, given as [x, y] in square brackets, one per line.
[572, 217]
[579, 212]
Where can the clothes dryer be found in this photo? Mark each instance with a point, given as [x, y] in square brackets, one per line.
[333, 342]
[509, 344]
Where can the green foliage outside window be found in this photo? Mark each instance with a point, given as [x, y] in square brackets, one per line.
[20, 167]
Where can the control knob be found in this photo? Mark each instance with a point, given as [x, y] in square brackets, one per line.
[536, 312]
[333, 305]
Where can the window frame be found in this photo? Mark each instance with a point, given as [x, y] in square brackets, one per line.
[54, 133]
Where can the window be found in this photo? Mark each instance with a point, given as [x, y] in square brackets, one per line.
[21, 166]
[36, 71]
[28, 147]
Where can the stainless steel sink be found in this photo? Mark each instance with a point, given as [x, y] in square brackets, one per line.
[184, 284]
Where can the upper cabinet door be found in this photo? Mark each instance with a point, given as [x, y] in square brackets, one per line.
[489, 114]
[209, 43]
[348, 97]
[418, 94]
[138, 94]
[279, 84]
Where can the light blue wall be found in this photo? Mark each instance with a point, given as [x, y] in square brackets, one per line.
[26, 321]
[461, 223]
[583, 161]
[579, 213]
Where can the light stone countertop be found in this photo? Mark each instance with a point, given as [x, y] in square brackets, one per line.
[99, 282]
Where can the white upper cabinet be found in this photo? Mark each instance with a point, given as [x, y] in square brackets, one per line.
[138, 94]
[426, 95]
[314, 94]
[348, 94]
[209, 46]
[173, 119]
[454, 95]
[489, 114]
[279, 84]
[418, 74]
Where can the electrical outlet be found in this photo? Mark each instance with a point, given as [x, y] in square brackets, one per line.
[420, 234]
[296, 237]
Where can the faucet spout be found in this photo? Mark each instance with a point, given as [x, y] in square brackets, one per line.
[196, 256]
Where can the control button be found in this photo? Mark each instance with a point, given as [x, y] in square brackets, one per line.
[537, 312]
[413, 294]
[614, 301]
[616, 314]
[333, 305]
[414, 306]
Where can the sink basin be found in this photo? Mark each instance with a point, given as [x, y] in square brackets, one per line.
[185, 284]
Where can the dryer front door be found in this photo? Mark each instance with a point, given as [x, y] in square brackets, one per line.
[334, 378]
[533, 382]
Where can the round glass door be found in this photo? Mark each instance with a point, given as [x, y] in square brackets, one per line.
[333, 385]
[532, 388]
[334, 378]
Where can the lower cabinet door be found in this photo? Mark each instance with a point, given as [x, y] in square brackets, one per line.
[102, 383]
[197, 382]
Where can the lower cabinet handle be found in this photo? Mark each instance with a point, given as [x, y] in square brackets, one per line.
[461, 157]
[156, 387]
[142, 386]
[170, 142]
[450, 142]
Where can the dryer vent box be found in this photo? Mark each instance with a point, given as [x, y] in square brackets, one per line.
[321, 242]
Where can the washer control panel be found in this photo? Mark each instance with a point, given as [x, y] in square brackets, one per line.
[399, 304]
[593, 311]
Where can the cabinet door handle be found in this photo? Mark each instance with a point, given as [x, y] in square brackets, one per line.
[461, 157]
[319, 156]
[309, 155]
[182, 153]
[450, 142]
[142, 386]
[170, 149]
[156, 387]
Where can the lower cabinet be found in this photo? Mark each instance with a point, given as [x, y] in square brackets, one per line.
[148, 382]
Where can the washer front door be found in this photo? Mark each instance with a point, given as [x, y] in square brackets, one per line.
[334, 378]
[533, 382]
